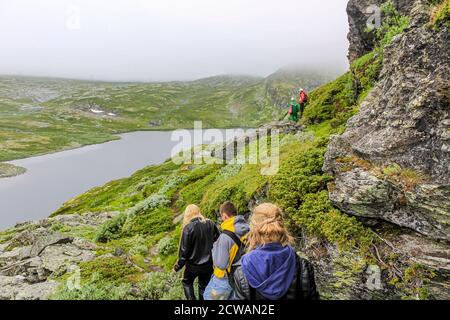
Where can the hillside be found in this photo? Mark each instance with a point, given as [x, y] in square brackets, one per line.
[356, 185]
[39, 116]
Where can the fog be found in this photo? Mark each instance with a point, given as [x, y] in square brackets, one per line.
[162, 40]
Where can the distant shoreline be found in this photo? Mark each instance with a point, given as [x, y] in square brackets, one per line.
[9, 170]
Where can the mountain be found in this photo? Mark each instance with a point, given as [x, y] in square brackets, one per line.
[41, 115]
[362, 182]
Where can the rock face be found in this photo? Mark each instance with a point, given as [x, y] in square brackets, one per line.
[393, 161]
[37, 252]
[360, 12]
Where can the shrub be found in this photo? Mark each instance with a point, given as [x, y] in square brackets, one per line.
[139, 246]
[161, 286]
[239, 189]
[114, 270]
[193, 193]
[319, 218]
[148, 204]
[331, 99]
[111, 229]
[167, 246]
[93, 291]
[151, 223]
[300, 174]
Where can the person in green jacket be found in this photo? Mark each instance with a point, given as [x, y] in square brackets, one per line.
[294, 108]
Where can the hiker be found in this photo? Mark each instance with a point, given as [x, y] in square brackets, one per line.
[293, 110]
[271, 270]
[226, 252]
[196, 244]
[302, 100]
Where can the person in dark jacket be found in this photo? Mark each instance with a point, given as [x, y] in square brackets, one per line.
[271, 270]
[197, 239]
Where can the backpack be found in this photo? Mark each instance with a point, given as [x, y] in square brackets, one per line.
[304, 95]
[238, 256]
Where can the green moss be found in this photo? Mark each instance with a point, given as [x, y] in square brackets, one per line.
[414, 282]
[239, 189]
[113, 270]
[440, 15]
[151, 223]
[328, 101]
[300, 174]
[407, 177]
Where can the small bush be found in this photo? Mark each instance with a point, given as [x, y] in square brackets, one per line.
[139, 247]
[148, 204]
[300, 174]
[167, 246]
[93, 291]
[162, 286]
[114, 270]
[151, 223]
[319, 218]
[111, 229]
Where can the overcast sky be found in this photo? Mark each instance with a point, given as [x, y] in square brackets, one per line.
[153, 40]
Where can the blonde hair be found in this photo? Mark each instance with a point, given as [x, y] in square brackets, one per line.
[267, 226]
[192, 211]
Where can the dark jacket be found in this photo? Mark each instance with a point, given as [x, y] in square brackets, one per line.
[196, 245]
[303, 287]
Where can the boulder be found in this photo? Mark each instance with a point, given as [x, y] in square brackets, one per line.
[17, 288]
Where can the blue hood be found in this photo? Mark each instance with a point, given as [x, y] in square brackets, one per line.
[270, 269]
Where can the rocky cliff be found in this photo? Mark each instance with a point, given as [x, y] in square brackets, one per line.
[393, 161]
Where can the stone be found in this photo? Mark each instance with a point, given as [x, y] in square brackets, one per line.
[46, 240]
[118, 252]
[16, 288]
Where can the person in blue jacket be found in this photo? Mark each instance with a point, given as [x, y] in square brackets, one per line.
[272, 270]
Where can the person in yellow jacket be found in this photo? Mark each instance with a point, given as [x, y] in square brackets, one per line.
[226, 252]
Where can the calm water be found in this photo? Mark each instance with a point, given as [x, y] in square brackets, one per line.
[53, 179]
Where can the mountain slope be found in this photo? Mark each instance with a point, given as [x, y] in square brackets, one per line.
[45, 115]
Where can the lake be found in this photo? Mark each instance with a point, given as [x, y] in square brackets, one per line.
[53, 179]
